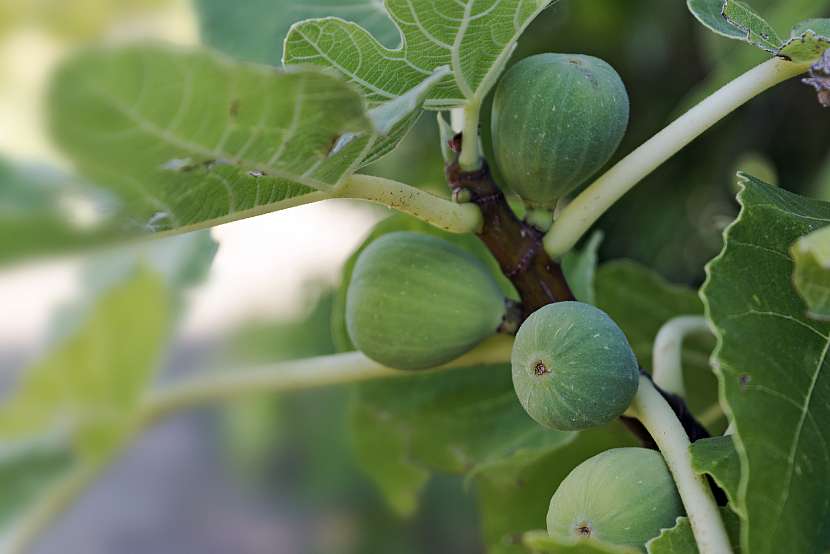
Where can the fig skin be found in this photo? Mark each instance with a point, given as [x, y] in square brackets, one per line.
[557, 120]
[573, 367]
[623, 496]
[416, 301]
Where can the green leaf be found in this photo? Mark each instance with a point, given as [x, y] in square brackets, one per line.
[539, 542]
[475, 39]
[641, 302]
[36, 213]
[719, 458]
[514, 495]
[772, 364]
[737, 20]
[185, 139]
[457, 422]
[808, 41]
[254, 30]
[26, 470]
[756, 29]
[812, 272]
[680, 539]
[91, 384]
[580, 267]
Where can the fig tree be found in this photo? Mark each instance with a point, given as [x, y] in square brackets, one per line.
[573, 367]
[416, 301]
[557, 119]
[623, 496]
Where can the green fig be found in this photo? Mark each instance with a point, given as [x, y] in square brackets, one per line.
[557, 119]
[417, 301]
[623, 496]
[573, 367]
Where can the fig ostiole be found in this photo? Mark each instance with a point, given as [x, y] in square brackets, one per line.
[557, 119]
[573, 367]
[416, 301]
[624, 496]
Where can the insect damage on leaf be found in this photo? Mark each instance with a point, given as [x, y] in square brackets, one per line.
[820, 79]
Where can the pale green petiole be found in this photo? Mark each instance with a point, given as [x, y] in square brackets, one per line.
[578, 217]
[309, 373]
[667, 363]
[657, 416]
[444, 214]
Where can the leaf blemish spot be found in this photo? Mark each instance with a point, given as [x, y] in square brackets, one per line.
[744, 380]
[540, 368]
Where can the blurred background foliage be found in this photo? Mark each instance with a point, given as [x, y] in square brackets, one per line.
[295, 450]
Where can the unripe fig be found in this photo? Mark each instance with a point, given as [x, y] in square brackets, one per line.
[557, 119]
[623, 496]
[573, 367]
[417, 301]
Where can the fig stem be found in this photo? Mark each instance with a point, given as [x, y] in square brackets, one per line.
[575, 220]
[667, 362]
[516, 245]
[470, 157]
[442, 213]
[305, 374]
[655, 413]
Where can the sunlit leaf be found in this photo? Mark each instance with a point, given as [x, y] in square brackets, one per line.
[475, 39]
[186, 139]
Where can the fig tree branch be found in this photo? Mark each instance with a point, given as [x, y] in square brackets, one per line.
[587, 207]
[516, 245]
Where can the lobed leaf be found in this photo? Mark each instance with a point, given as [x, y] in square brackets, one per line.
[456, 422]
[474, 38]
[772, 363]
[811, 277]
[186, 139]
[737, 20]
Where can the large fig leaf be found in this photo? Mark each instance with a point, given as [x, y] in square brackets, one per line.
[772, 364]
[188, 139]
[737, 20]
[812, 272]
[641, 302]
[254, 30]
[474, 38]
[453, 421]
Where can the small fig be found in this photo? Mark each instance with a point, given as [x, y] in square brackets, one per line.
[557, 119]
[623, 496]
[573, 367]
[417, 301]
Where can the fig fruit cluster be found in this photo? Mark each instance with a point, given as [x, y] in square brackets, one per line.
[624, 496]
[557, 119]
[416, 301]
